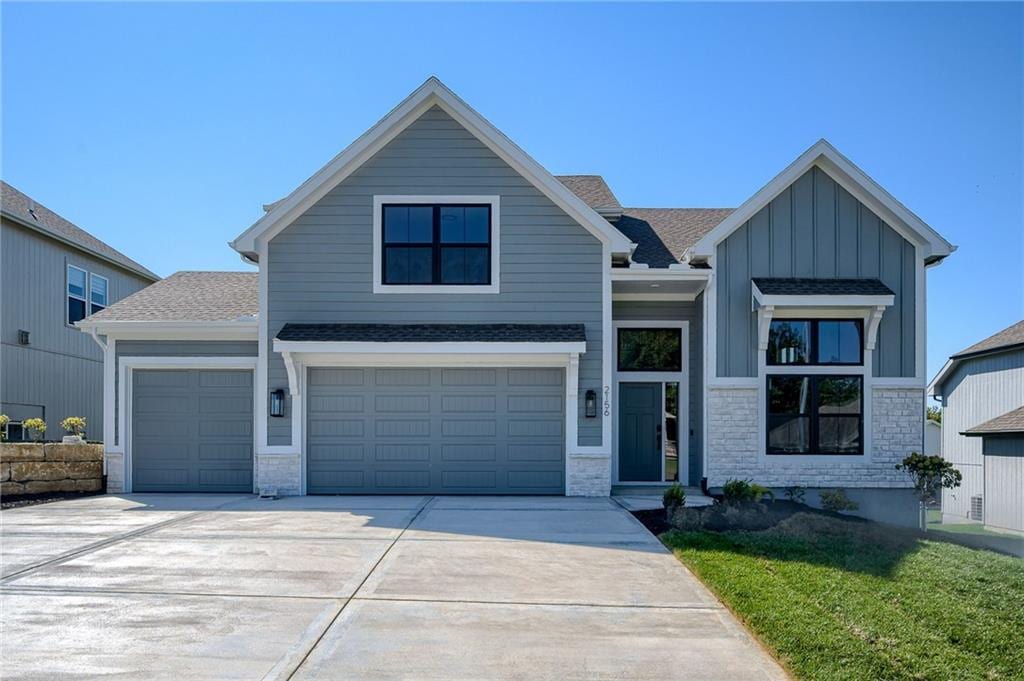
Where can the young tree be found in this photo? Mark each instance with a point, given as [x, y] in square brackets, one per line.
[930, 474]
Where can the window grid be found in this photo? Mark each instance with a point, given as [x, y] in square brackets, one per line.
[436, 246]
[813, 414]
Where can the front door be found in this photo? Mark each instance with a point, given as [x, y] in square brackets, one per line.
[640, 434]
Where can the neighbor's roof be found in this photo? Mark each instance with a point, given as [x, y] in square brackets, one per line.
[1008, 337]
[787, 286]
[434, 333]
[1010, 422]
[189, 296]
[26, 211]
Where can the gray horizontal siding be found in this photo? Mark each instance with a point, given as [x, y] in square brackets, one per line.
[692, 312]
[320, 267]
[814, 228]
[60, 373]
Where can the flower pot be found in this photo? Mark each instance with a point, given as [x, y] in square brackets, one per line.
[72, 440]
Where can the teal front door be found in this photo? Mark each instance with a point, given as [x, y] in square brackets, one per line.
[640, 413]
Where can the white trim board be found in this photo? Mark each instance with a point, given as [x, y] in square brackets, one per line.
[502, 350]
[432, 93]
[243, 330]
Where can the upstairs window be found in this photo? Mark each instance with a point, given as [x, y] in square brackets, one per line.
[97, 293]
[77, 289]
[436, 244]
[815, 342]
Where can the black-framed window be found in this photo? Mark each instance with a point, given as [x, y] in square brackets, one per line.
[436, 244]
[816, 342]
[815, 414]
[650, 349]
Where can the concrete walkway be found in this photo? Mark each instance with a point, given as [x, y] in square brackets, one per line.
[225, 587]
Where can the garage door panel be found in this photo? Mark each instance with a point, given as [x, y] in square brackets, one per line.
[192, 430]
[443, 430]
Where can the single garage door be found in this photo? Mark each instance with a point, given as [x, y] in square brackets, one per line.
[435, 431]
[192, 430]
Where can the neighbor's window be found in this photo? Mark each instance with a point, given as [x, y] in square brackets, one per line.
[645, 349]
[815, 341]
[815, 414]
[77, 282]
[436, 244]
[97, 293]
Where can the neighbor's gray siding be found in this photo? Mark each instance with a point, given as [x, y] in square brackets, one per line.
[977, 390]
[1004, 482]
[175, 349]
[61, 369]
[320, 268]
[692, 312]
[814, 228]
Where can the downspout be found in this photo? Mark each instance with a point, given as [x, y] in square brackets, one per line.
[96, 337]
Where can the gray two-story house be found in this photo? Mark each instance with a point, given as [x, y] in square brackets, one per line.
[52, 275]
[434, 312]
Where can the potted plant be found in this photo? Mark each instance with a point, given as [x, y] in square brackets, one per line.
[930, 474]
[75, 425]
[35, 427]
[4, 420]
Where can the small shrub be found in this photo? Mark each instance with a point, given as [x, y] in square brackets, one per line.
[4, 420]
[835, 500]
[673, 498]
[930, 474]
[37, 428]
[743, 490]
[74, 425]
[795, 494]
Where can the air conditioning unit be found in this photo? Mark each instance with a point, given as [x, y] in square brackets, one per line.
[978, 508]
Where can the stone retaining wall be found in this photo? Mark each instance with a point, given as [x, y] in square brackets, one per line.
[31, 468]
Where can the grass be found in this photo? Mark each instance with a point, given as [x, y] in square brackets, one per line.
[869, 602]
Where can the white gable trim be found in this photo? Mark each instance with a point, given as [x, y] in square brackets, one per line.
[432, 93]
[849, 177]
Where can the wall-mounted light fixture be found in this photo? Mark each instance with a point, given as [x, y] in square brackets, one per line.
[590, 404]
[277, 402]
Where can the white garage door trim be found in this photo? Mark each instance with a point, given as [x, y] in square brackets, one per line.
[127, 365]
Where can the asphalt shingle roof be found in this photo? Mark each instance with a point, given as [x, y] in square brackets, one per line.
[25, 209]
[1008, 337]
[189, 296]
[663, 235]
[776, 286]
[1010, 422]
[594, 191]
[434, 333]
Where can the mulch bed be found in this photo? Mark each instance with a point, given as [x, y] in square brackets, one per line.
[654, 520]
[44, 498]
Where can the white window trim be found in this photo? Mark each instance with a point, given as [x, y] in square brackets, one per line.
[106, 291]
[124, 396]
[67, 293]
[378, 233]
[681, 377]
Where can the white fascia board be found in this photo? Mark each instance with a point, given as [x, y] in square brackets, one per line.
[641, 274]
[454, 348]
[934, 388]
[172, 330]
[432, 92]
[851, 178]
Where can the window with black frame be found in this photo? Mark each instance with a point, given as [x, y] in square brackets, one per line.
[815, 414]
[815, 342]
[436, 244]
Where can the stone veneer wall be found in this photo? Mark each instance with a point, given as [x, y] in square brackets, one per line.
[588, 475]
[897, 429]
[278, 473]
[35, 468]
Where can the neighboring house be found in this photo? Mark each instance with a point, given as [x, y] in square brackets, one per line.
[52, 275]
[982, 393]
[435, 312]
[932, 437]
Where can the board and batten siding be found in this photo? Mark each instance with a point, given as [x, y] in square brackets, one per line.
[814, 229]
[1004, 482]
[160, 348]
[692, 312]
[977, 390]
[61, 369]
[319, 268]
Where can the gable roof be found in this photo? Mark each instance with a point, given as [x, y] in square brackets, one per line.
[1010, 422]
[25, 211]
[187, 297]
[432, 93]
[1010, 338]
[852, 179]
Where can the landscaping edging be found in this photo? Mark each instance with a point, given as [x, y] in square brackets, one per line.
[39, 468]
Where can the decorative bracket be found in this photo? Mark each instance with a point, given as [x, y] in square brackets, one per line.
[764, 323]
[871, 333]
[293, 375]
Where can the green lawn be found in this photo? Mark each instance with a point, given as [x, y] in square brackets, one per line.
[874, 603]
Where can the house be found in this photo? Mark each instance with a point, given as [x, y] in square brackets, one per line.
[435, 312]
[982, 393]
[52, 275]
[932, 437]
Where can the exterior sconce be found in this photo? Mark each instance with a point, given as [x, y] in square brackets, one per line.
[277, 403]
[590, 404]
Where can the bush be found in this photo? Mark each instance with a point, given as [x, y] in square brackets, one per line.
[930, 474]
[743, 490]
[835, 500]
[37, 427]
[795, 494]
[4, 420]
[673, 498]
[74, 425]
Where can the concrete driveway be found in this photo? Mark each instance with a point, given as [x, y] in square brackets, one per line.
[224, 587]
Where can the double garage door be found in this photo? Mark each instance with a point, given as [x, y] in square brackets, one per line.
[435, 430]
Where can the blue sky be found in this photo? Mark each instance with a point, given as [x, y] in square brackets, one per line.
[163, 128]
